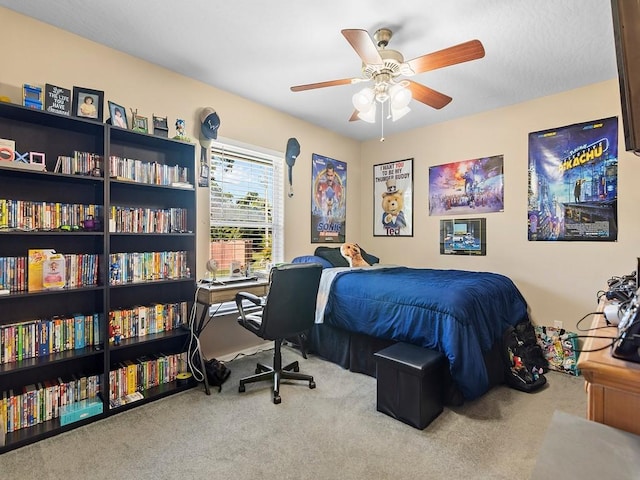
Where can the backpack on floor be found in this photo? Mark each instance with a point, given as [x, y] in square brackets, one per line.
[217, 373]
[525, 363]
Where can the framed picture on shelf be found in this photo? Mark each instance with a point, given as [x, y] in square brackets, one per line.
[140, 124]
[118, 115]
[57, 99]
[87, 103]
[160, 126]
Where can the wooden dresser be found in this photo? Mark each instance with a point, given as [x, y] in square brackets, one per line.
[613, 385]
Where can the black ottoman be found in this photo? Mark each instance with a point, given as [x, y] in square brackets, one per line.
[410, 383]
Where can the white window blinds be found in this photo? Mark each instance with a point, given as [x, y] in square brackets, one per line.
[246, 209]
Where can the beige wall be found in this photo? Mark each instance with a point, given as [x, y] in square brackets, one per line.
[558, 279]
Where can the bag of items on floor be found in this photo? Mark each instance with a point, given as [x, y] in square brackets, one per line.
[524, 361]
[560, 348]
[217, 373]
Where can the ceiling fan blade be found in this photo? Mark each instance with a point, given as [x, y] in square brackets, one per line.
[428, 96]
[354, 116]
[463, 52]
[363, 45]
[330, 83]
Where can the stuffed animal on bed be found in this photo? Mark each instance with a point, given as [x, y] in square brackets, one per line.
[353, 255]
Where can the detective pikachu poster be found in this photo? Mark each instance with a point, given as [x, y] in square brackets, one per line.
[573, 182]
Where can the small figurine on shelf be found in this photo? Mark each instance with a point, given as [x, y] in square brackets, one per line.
[114, 273]
[96, 171]
[117, 335]
[32, 96]
[134, 114]
[89, 224]
[180, 131]
[112, 331]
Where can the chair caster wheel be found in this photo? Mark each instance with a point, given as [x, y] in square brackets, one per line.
[258, 370]
[241, 388]
[312, 384]
[296, 368]
[277, 399]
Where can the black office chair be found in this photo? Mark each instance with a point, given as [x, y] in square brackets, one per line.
[287, 311]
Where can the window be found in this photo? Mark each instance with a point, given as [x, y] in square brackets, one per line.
[246, 209]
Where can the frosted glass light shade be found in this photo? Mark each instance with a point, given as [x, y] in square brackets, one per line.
[398, 113]
[369, 116]
[363, 100]
[400, 96]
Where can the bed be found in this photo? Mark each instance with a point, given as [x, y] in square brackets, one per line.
[460, 313]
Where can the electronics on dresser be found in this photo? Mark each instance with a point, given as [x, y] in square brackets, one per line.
[627, 346]
[612, 313]
[622, 288]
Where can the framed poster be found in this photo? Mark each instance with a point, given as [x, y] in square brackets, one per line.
[328, 200]
[393, 199]
[467, 187]
[463, 236]
[573, 182]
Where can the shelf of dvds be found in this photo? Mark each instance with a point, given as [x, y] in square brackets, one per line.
[122, 225]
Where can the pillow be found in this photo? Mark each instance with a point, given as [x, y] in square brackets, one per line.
[312, 259]
[333, 255]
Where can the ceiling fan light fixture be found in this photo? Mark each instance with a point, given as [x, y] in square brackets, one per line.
[398, 113]
[368, 116]
[400, 96]
[383, 66]
[363, 100]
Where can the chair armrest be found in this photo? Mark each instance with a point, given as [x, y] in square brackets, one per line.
[256, 300]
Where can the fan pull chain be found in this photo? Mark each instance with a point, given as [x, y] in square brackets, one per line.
[382, 122]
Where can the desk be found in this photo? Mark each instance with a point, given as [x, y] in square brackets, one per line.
[613, 385]
[212, 294]
[208, 295]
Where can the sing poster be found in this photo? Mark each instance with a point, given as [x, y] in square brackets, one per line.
[573, 182]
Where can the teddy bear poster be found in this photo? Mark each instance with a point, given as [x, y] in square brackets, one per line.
[393, 199]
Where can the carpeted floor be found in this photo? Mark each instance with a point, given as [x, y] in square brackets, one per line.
[331, 432]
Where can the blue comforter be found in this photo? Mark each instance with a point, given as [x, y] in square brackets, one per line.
[459, 313]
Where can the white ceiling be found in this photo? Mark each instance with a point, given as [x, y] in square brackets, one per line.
[258, 49]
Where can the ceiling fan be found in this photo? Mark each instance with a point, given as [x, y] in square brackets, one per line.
[384, 66]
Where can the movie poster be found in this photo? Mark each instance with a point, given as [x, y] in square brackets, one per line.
[329, 200]
[393, 199]
[573, 182]
[469, 186]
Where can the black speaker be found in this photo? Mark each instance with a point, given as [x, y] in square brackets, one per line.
[626, 30]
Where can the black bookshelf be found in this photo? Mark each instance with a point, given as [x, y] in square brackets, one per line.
[56, 135]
